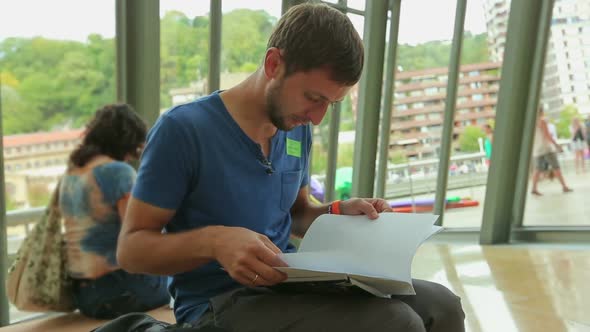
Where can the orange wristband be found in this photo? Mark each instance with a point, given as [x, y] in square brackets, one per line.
[334, 208]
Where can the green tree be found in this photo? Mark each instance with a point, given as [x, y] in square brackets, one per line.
[80, 86]
[564, 122]
[244, 39]
[436, 53]
[57, 82]
[6, 78]
[318, 159]
[468, 141]
[184, 52]
[10, 204]
[17, 116]
[347, 122]
[474, 49]
[398, 157]
[345, 155]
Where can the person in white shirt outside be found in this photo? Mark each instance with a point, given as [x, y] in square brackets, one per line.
[544, 152]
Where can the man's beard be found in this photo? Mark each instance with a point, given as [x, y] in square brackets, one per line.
[273, 108]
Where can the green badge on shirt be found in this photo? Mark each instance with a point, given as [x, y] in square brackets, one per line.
[293, 148]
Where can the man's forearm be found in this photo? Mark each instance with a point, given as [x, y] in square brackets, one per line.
[151, 252]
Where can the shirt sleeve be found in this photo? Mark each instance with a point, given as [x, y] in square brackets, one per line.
[168, 165]
[115, 180]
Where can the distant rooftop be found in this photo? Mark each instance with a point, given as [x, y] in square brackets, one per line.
[41, 138]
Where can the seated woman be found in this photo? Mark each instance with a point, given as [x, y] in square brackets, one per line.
[93, 199]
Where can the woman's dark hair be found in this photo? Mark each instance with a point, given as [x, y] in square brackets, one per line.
[313, 36]
[115, 131]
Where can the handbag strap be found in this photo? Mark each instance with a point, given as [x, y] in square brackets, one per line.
[53, 210]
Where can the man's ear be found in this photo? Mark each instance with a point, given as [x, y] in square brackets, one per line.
[273, 63]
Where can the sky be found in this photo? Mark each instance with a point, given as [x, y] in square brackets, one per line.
[421, 20]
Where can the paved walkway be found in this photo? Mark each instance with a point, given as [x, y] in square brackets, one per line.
[552, 209]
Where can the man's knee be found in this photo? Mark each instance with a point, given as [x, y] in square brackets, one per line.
[394, 315]
[442, 304]
[449, 303]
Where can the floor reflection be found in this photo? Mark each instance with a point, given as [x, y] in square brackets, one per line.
[512, 288]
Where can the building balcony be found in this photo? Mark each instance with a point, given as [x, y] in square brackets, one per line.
[442, 96]
[464, 80]
[440, 108]
[417, 124]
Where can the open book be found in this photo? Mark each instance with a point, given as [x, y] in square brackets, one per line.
[375, 255]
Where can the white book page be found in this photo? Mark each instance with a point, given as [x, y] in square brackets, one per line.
[382, 248]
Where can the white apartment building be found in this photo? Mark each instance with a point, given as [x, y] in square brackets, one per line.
[567, 65]
[496, 13]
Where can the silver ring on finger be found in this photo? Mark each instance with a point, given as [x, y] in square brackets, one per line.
[254, 280]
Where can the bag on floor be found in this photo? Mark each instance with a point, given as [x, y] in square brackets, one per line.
[38, 278]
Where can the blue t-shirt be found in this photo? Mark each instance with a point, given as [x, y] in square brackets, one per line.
[199, 162]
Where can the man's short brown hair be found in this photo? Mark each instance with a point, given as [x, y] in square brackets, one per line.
[313, 36]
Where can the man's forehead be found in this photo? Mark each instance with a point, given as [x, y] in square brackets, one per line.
[320, 83]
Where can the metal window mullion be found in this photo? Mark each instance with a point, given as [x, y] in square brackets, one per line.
[215, 20]
[369, 102]
[528, 133]
[332, 152]
[513, 97]
[449, 116]
[138, 56]
[334, 130]
[4, 306]
[286, 4]
[343, 7]
[395, 8]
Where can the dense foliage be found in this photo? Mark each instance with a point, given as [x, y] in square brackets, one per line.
[49, 84]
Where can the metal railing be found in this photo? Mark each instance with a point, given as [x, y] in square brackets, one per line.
[418, 177]
[24, 217]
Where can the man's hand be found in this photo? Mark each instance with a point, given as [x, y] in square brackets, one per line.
[367, 206]
[248, 257]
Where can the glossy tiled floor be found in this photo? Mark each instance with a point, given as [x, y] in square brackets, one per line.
[513, 288]
[503, 288]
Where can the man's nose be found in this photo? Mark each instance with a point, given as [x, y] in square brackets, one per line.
[318, 114]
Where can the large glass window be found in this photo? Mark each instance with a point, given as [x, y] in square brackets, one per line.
[473, 130]
[184, 51]
[54, 74]
[56, 69]
[567, 116]
[345, 155]
[422, 57]
[246, 27]
[184, 65]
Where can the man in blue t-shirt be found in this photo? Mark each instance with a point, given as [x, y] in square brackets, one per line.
[226, 177]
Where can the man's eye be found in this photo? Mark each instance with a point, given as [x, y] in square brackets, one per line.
[312, 99]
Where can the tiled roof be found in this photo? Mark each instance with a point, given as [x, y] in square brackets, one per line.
[41, 138]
